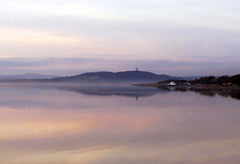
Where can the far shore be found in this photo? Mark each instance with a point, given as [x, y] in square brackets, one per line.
[195, 87]
[204, 89]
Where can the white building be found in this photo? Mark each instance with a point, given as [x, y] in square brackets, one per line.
[172, 83]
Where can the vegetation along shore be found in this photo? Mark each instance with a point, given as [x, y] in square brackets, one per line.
[210, 83]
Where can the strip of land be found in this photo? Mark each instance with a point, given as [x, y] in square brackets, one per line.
[209, 83]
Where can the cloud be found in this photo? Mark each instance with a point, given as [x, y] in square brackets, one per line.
[176, 30]
[71, 66]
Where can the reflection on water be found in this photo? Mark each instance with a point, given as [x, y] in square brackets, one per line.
[211, 93]
[99, 125]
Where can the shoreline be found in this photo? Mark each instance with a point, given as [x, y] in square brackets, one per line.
[207, 90]
[195, 87]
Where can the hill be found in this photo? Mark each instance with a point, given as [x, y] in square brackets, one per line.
[141, 76]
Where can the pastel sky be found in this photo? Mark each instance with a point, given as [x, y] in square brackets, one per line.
[181, 37]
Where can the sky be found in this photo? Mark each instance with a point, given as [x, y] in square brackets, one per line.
[176, 37]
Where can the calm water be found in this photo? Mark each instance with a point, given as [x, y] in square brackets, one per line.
[116, 125]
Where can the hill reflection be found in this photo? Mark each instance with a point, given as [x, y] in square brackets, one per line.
[126, 91]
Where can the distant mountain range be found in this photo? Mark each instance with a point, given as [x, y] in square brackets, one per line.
[27, 76]
[127, 76]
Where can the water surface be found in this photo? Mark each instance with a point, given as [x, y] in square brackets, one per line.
[55, 124]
